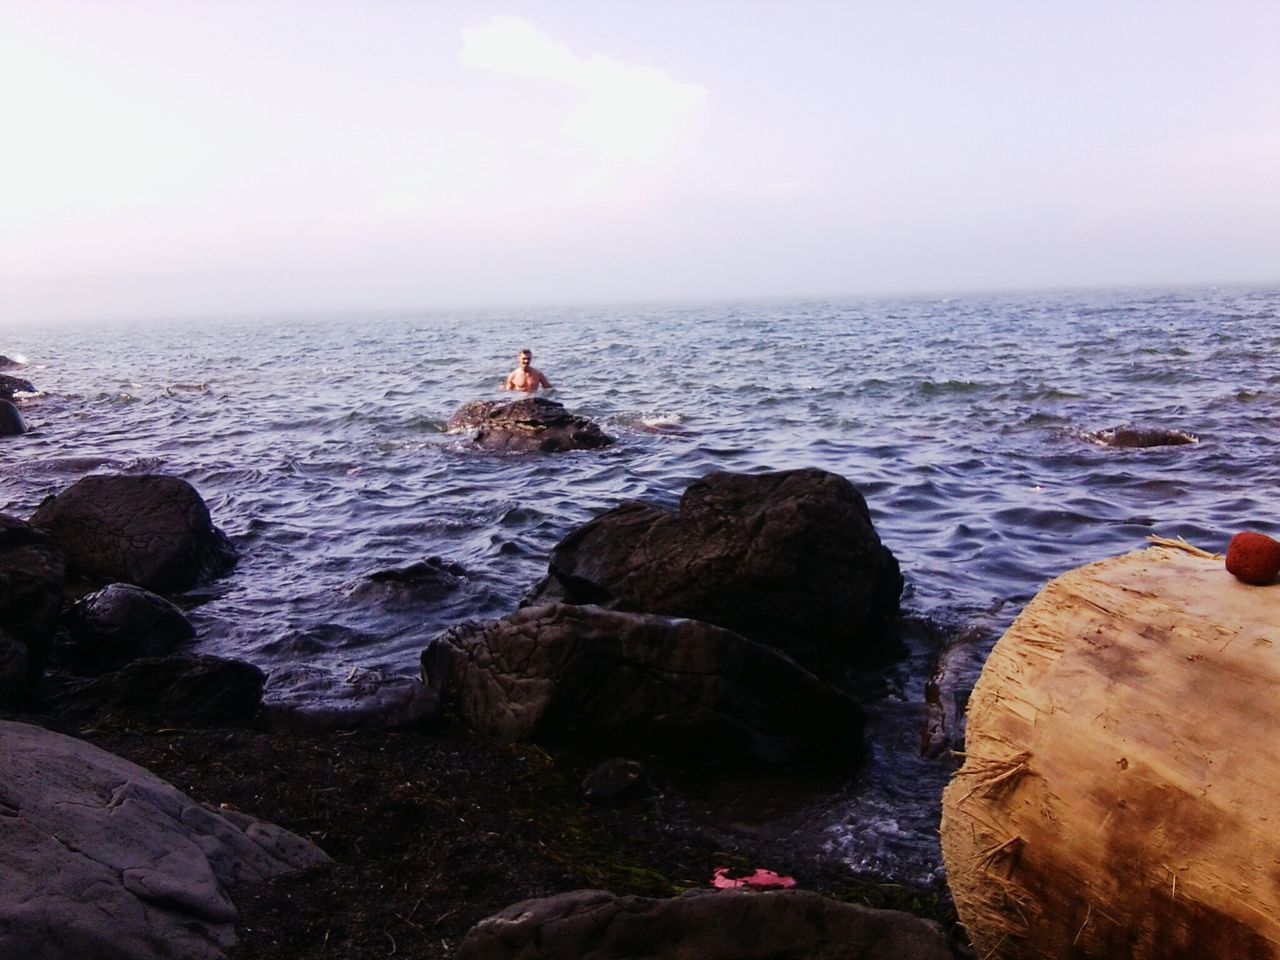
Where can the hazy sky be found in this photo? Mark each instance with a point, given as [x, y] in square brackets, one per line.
[183, 157]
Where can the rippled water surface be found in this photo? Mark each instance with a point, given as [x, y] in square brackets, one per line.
[319, 446]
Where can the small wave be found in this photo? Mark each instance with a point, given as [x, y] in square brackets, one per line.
[931, 388]
[648, 421]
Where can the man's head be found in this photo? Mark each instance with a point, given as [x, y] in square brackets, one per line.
[525, 358]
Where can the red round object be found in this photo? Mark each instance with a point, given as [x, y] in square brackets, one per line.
[1253, 558]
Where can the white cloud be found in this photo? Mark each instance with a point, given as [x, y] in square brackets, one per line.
[627, 116]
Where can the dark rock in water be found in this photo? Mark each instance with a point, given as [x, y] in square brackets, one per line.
[11, 422]
[15, 682]
[614, 780]
[423, 582]
[149, 530]
[702, 925]
[122, 622]
[6, 363]
[1136, 437]
[11, 385]
[639, 684]
[302, 699]
[529, 424]
[184, 690]
[31, 585]
[103, 859]
[787, 559]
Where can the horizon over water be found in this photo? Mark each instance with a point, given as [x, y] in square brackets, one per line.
[968, 422]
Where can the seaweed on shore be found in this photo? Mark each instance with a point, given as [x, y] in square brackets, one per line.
[431, 832]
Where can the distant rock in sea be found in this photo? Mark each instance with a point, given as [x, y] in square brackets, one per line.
[1136, 437]
[532, 424]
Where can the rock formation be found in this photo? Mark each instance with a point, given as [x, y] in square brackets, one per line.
[122, 622]
[532, 424]
[619, 682]
[103, 859]
[149, 530]
[787, 559]
[722, 925]
[31, 584]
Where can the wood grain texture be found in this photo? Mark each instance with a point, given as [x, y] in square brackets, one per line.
[1118, 796]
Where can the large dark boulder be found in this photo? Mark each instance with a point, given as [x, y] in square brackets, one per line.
[31, 585]
[150, 530]
[102, 859]
[122, 622]
[530, 424]
[701, 925]
[11, 422]
[615, 682]
[11, 385]
[182, 690]
[788, 559]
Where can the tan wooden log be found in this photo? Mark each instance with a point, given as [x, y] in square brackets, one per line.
[1120, 793]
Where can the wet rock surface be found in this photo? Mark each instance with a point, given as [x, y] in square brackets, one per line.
[121, 622]
[9, 385]
[787, 559]
[531, 424]
[150, 530]
[619, 682]
[1129, 438]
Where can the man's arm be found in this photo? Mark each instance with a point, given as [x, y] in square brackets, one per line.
[542, 379]
[507, 384]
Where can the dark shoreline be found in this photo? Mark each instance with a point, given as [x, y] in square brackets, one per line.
[431, 831]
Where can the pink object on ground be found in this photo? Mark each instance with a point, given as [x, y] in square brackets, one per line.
[760, 880]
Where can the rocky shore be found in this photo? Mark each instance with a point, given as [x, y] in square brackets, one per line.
[431, 832]
[624, 732]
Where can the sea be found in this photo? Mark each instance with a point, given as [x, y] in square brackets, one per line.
[975, 427]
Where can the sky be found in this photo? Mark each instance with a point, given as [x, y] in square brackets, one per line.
[180, 157]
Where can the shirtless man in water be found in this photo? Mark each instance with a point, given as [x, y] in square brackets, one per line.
[524, 377]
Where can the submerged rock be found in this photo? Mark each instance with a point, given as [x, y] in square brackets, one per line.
[122, 622]
[1137, 437]
[702, 925]
[788, 559]
[102, 858]
[532, 424]
[636, 683]
[6, 363]
[150, 530]
[425, 581]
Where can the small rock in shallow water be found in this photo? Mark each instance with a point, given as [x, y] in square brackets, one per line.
[1128, 438]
